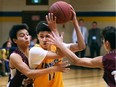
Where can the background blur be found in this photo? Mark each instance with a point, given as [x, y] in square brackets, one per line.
[32, 11]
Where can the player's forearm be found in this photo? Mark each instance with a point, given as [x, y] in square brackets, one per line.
[39, 72]
[56, 31]
[68, 53]
[81, 43]
[85, 62]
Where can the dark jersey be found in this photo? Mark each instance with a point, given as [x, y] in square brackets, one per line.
[109, 63]
[17, 80]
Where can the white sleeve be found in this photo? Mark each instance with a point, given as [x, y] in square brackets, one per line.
[36, 56]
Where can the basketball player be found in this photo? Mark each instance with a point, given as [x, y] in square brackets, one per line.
[49, 54]
[19, 66]
[107, 62]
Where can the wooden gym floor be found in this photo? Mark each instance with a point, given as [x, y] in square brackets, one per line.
[76, 77]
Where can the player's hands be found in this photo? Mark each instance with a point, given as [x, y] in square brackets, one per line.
[61, 67]
[27, 81]
[55, 39]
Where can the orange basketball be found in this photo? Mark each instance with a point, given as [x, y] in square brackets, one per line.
[62, 11]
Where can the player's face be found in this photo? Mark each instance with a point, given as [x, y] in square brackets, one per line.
[23, 38]
[42, 37]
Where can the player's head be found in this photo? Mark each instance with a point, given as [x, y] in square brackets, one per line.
[42, 26]
[42, 31]
[109, 35]
[19, 31]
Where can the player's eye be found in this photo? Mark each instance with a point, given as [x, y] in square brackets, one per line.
[21, 35]
[41, 36]
[47, 36]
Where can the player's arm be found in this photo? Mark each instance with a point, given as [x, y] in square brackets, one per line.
[52, 24]
[88, 62]
[17, 63]
[37, 55]
[80, 44]
[54, 55]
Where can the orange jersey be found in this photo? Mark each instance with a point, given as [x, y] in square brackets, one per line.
[53, 79]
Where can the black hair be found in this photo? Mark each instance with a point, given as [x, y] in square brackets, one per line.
[109, 34]
[42, 26]
[5, 44]
[94, 22]
[15, 29]
[81, 20]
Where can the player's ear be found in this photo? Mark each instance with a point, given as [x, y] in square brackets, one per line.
[107, 43]
[15, 40]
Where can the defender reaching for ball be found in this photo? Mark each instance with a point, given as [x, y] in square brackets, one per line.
[107, 62]
[45, 55]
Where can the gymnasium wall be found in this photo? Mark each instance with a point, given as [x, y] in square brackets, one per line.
[102, 11]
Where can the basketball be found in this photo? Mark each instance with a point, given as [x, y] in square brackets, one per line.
[62, 11]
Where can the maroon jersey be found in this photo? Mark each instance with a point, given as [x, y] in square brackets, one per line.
[17, 80]
[109, 63]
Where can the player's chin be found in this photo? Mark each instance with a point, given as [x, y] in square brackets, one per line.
[27, 43]
[45, 47]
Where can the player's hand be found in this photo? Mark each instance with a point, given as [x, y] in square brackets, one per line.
[73, 18]
[62, 67]
[27, 81]
[51, 20]
[55, 39]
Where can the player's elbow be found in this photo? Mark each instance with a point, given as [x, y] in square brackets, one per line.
[82, 47]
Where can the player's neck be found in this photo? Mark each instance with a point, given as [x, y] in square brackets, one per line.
[25, 51]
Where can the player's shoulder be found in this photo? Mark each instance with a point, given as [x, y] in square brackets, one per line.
[35, 49]
[14, 56]
[109, 56]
